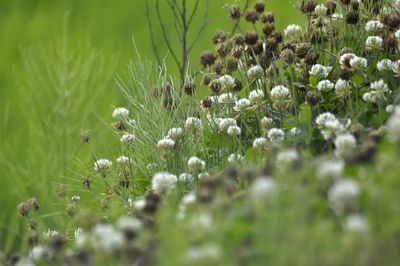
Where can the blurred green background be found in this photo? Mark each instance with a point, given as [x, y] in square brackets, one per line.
[39, 126]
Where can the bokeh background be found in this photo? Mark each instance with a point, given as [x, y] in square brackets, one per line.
[58, 64]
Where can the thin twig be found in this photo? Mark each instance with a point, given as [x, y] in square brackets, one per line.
[153, 44]
[196, 5]
[164, 32]
[201, 29]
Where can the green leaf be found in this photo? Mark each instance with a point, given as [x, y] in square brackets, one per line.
[313, 81]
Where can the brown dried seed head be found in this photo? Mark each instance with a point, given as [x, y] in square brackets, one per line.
[234, 12]
[207, 58]
[267, 17]
[352, 17]
[251, 15]
[259, 6]
[308, 6]
[251, 38]
[23, 209]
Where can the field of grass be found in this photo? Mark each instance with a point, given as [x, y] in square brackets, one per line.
[274, 141]
[59, 62]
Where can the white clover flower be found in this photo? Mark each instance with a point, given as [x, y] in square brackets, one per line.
[321, 10]
[120, 113]
[226, 98]
[336, 17]
[393, 126]
[204, 252]
[227, 82]
[256, 96]
[137, 204]
[260, 144]
[123, 160]
[374, 42]
[163, 181]
[389, 108]
[175, 133]
[75, 198]
[185, 177]
[51, 233]
[241, 105]
[128, 139]
[377, 92]
[106, 238]
[103, 166]
[331, 169]
[126, 223]
[225, 123]
[266, 122]
[385, 65]
[279, 93]
[276, 135]
[345, 60]
[263, 188]
[193, 124]
[255, 72]
[320, 71]
[355, 223]
[166, 143]
[329, 125]
[39, 253]
[343, 195]
[344, 144]
[358, 62]
[373, 26]
[203, 175]
[196, 164]
[234, 131]
[295, 131]
[293, 31]
[396, 68]
[235, 158]
[325, 85]
[343, 88]
[287, 157]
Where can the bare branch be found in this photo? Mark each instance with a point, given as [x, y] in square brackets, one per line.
[164, 32]
[153, 44]
[201, 29]
[193, 13]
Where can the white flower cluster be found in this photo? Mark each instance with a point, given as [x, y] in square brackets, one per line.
[343, 195]
[385, 65]
[227, 82]
[241, 105]
[124, 160]
[175, 133]
[120, 113]
[374, 43]
[193, 124]
[226, 98]
[279, 94]
[293, 31]
[321, 10]
[102, 166]
[276, 135]
[163, 181]
[320, 71]
[166, 143]
[344, 144]
[358, 62]
[373, 26]
[330, 169]
[287, 157]
[263, 188]
[329, 125]
[260, 144]
[255, 72]
[196, 164]
[128, 139]
[235, 158]
[325, 85]
[377, 92]
[343, 88]
[256, 96]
